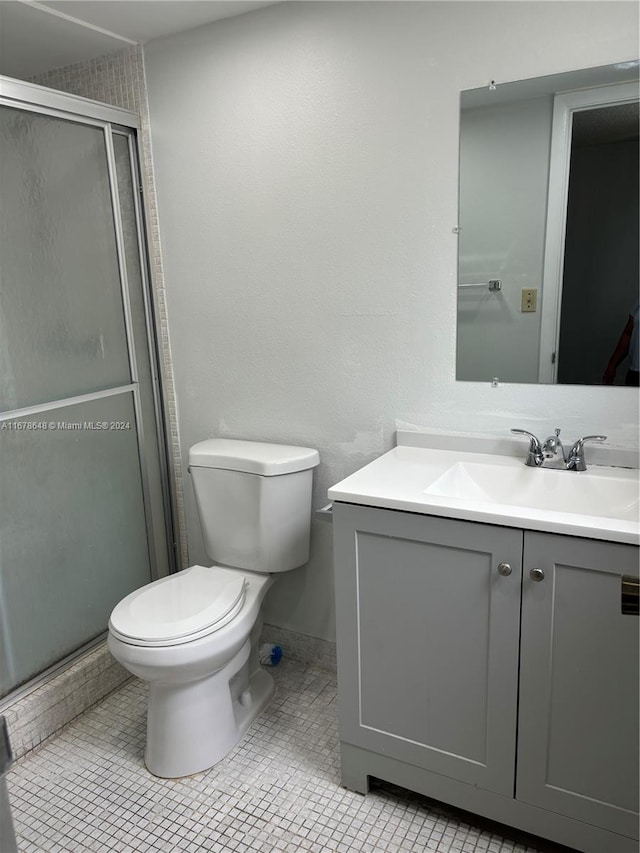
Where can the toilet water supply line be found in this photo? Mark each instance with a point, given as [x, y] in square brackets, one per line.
[269, 655]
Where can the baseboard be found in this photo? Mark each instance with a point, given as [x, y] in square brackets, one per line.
[300, 647]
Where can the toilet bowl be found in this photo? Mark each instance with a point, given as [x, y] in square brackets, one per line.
[205, 688]
[194, 635]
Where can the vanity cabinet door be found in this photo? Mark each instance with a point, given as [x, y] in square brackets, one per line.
[427, 641]
[578, 721]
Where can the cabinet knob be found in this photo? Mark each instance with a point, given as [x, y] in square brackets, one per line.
[536, 575]
[504, 569]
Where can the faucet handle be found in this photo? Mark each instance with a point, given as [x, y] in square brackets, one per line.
[535, 456]
[579, 444]
[576, 461]
[535, 442]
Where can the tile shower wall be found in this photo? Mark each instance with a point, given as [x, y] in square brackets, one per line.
[119, 79]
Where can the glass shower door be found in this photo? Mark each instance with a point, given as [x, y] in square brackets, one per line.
[83, 505]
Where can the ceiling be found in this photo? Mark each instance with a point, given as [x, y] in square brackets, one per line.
[617, 123]
[38, 36]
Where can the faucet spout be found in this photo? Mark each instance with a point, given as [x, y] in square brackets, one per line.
[553, 451]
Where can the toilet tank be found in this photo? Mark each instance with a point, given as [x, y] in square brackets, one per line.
[254, 502]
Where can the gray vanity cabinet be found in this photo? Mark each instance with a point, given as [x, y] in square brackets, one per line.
[428, 641]
[469, 677]
[578, 723]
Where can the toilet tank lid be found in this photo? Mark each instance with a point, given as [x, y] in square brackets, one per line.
[252, 457]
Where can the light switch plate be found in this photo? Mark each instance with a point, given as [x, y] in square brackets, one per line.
[529, 299]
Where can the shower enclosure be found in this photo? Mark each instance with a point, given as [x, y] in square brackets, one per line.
[84, 506]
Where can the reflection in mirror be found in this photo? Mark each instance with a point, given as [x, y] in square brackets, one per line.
[548, 229]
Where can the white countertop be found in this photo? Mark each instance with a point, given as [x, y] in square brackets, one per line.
[600, 503]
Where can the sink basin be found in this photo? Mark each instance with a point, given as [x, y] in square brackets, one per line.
[590, 493]
[602, 502]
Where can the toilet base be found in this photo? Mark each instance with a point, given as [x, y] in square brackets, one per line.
[191, 727]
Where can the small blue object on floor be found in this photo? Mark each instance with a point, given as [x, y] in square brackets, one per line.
[270, 655]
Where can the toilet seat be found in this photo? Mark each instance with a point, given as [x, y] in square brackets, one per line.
[177, 609]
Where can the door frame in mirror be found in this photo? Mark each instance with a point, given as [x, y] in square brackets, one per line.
[564, 107]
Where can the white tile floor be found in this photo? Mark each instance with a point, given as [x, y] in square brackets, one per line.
[278, 790]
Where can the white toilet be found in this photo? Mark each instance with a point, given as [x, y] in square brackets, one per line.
[193, 635]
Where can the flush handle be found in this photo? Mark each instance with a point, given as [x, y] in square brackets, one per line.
[536, 575]
[504, 569]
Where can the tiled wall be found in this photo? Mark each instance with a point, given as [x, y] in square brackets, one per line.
[119, 79]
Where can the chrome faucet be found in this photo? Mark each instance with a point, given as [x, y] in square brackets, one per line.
[551, 454]
[575, 459]
[535, 455]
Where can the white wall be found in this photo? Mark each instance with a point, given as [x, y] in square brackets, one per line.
[307, 170]
[504, 173]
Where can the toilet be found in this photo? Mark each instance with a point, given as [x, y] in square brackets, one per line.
[194, 635]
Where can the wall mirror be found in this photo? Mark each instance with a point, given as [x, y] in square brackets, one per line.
[548, 226]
